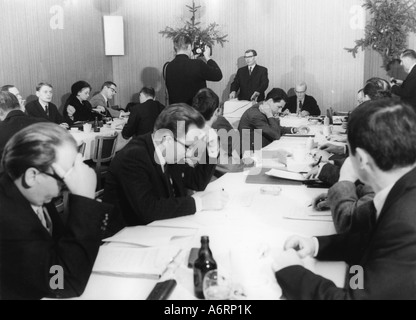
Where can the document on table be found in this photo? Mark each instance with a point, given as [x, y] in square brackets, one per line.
[286, 175]
[150, 236]
[308, 213]
[149, 263]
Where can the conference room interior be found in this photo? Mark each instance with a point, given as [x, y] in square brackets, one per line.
[65, 41]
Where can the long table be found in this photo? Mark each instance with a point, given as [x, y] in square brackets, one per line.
[252, 223]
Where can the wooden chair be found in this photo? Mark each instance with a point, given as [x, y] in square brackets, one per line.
[104, 151]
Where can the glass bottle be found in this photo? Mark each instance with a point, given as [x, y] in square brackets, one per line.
[96, 125]
[202, 265]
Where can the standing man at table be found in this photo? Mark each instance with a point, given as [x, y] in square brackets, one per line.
[102, 99]
[36, 246]
[385, 256]
[149, 179]
[301, 103]
[43, 107]
[252, 81]
[186, 76]
[406, 89]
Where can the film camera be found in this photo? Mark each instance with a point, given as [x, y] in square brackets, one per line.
[199, 48]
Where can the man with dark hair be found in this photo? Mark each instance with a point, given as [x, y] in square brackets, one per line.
[43, 107]
[381, 137]
[263, 119]
[251, 81]
[185, 76]
[302, 103]
[12, 118]
[406, 89]
[143, 115]
[12, 89]
[207, 103]
[35, 244]
[102, 99]
[149, 179]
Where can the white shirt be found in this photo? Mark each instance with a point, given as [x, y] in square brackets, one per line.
[251, 68]
[380, 199]
[44, 105]
[43, 217]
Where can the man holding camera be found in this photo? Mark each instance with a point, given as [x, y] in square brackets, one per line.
[252, 80]
[186, 76]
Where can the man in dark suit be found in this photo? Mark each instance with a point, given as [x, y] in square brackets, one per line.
[185, 76]
[406, 89]
[385, 257]
[260, 125]
[43, 107]
[12, 89]
[41, 256]
[251, 82]
[143, 116]
[12, 118]
[149, 179]
[302, 104]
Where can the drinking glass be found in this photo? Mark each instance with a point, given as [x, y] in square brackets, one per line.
[216, 286]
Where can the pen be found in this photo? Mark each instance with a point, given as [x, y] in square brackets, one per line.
[319, 161]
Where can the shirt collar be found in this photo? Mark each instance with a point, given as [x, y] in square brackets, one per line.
[43, 104]
[253, 66]
[380, 199]
[105, 98]
[159, 156]
[411, 69]
[35, 208]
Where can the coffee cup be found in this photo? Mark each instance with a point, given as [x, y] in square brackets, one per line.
[87, 127]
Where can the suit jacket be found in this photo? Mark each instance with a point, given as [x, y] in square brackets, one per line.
[407, 91]
[34, 109]
[387, 255]
[310, 105]
[185, 77]
[351, 206]
[83, 111]
[28, 251]
[253, 119]
[99, 101]
[141, 192]
[248, 84]
[142, 118]
[15, 121]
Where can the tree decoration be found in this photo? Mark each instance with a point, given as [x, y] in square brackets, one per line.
[192, 28]
[388, 28]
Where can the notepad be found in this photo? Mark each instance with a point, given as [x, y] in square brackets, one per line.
[286, 175]
[148, 263]
[308, 213]
[150, 236]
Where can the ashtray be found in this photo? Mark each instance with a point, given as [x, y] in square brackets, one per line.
[271, 191]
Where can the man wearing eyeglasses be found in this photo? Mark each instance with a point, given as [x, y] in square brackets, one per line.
[39, 162]
[251, 81]
[302, 104]
[150, 178]
[102, 99]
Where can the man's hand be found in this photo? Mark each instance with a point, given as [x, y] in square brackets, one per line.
[266, 110]
[64, 125]
[285, 259]
[321, 154]
[347, 172]
[99, 109]
[233, 95]
[302, 130]
[333, 148]
[71, 111]
[312, 173]
[304, 114]
[320, 203]
[213, 200]
[207, 53]
[255, 96]
[81, 180]
[303, 246]
[286, 112]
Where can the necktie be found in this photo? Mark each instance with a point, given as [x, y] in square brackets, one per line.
[45, 219]
[47, 110]
[171, 186]
[250, 70]
[300, 106]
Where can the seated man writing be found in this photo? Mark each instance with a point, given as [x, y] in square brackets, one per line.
[386, 252]
[149, 179]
